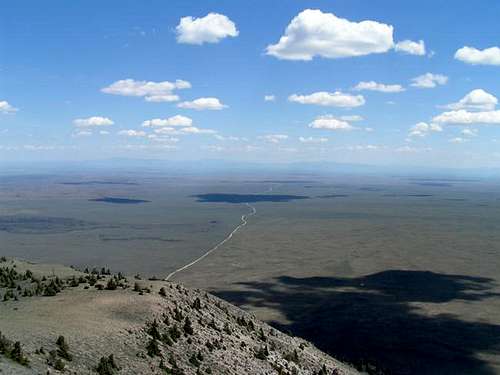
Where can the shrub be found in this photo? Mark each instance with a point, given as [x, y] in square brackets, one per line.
[188, 327]
[59, 365]
[107, 366]
[153, 330]
[63, 349]
[163, 292]
[111, 285]
[153, 349]
[194, 360]
[262, 353]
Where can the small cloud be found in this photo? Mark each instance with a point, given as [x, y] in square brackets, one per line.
[6, 108]
[195, 130]
[177, 120]
[374, 86]
[328, 122]
[273, 138]
[92, 121]
[328, 99]
[132, 133]
[410, 47]
[83, 133]
[352, 118]
[411, 150]
[313, 140]
[457, 140]
[209, 29]
[469, 132]
[429, 80]
[422, 129]
[269, 98]
[200, 104]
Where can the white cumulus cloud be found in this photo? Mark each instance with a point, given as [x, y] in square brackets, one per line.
[200, 104]
[328, 99]
[474, 56]
[314, 33]
[429, 80]
[92, 121]
[374, 86]
[329, 122]
[410, 47]
[464, 117]
[177, 120]
[5, 107]
[151, 91]
[269, 98]
[422, 129]
[209, 29]
[477, 99]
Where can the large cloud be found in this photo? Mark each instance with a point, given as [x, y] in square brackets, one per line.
[151, 91]
[329, 122]
[477, 99]
[474, 56]
[200, 104]
[5, 107]
[209, 29]
[314, 33]
[429, 80]
[328, 99]
[177, 120]
[92, 122]
[463, 117]
[410, 47]
[374, 86]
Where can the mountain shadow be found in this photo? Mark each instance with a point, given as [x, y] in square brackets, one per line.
[374, 322]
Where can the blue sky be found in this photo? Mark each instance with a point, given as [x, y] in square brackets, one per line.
[64, 94]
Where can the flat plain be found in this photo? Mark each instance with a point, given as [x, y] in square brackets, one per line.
[398, 273]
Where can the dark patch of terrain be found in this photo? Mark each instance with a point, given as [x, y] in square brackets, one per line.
[246, 198]
[98, 183]
[370, 321]
[334, 196]
[119, 200]
[42, 224]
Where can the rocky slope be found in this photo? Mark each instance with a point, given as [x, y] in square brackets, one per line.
[55, 319]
